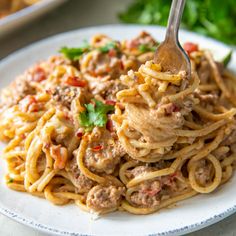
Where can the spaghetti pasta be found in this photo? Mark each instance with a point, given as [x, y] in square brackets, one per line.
[106, 128]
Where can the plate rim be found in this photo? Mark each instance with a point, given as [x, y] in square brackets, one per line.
[51, 230]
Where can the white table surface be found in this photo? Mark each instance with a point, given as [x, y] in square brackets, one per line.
[72, 15]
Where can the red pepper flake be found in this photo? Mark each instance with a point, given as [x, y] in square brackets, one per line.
[190, 47]
[22, 136]
[122, 67]
[38, 74]
[112, 52]
[110, 102]
[79, 134]
[108, 69]
[97, 148]
[76, 81]
[151, 192]
[109, 125]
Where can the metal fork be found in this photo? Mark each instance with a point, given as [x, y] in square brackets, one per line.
[170, 54]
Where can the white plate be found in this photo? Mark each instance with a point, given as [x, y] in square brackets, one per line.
[26, 15]
[187, 216]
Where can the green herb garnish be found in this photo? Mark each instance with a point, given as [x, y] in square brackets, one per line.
[95, 114]
[146, 48]
[209, 17]
[75, 53]
[10, 181]
[227, 58]
[106, 48]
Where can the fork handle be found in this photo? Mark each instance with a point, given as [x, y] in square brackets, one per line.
[175, 15]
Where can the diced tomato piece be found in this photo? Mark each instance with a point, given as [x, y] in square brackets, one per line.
[110, 102]
[97, 148]
[190, 47]
[39, 74]
[79, 134]
[112, 52]
[76, 81]
[108, 69]
[109, 125]
[122, 67]
[22, 136]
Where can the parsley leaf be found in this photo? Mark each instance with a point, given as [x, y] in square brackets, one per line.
[227, 58]
[75, 53]
[10, 181]
[95, 114]
[106, 48]
[209, 17]
[146, 48]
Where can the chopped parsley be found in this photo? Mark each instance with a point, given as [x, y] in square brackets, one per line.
[106, 48]
[214, 18]
[75, 53]
[95, 114]
[146, 48]
[10, 181]
[227, 58]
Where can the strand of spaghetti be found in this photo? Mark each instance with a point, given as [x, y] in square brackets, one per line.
[12, 154]
[134, 153]
[16, 177]
[82, 205]
[208, 148]
[46, 116]
[216, 181]
[216, 74]
[73, 196]
[192, 125]
[143, 211]
[207, 87]
[152, 175]
[186, 150]
[125, 167]
[164, 143]
[12, 144]
[227, 174]
[49, 195]
[17, 187]
[215, 117]
[80, 162]
[186, 92]
[126, 93]
[174, 79]
[228, 160]
[202, 132]
[27, 128]
[30, 117]
[38, 194]
[41, 183]
[33, 154]
[142, 89]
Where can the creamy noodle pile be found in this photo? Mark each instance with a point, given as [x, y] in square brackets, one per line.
[105, 127]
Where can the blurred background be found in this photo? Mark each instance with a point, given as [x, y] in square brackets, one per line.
[26, 21]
